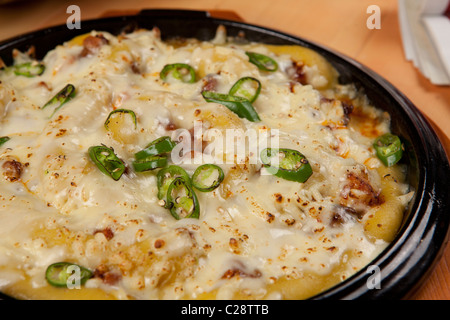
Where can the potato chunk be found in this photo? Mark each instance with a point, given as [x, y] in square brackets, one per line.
[309, 58]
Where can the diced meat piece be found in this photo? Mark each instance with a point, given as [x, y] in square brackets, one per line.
[240, 270]
[342, 215]
[209, 83]
[348, 109]
[358, 193]
[296, 73]
[107, 232]
[108, 277]
[92, 44]
[12, 170]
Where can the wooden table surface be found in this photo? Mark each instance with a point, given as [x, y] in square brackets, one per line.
[339, 25]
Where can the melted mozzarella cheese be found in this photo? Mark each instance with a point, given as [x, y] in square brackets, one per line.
[254, 232]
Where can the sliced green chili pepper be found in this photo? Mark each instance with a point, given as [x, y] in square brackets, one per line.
[247, 87]
[29, 69]
[3, 140]
[58, 274]
[262, 61]
[107, 161]
[165, 177]
[150, 163]
[179, 71]
[62, 97]
[123, 111]
[241, 106]
[388, 148]
[207, 177]
[156, 147]
[289, 164]
[182, 199]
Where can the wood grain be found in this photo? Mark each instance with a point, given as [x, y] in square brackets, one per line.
[339, 25]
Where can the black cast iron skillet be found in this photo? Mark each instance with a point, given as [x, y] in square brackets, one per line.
[420, 242]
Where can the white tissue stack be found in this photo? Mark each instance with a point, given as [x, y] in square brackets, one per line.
[425, 29]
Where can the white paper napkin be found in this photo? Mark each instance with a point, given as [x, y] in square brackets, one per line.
[426, 37]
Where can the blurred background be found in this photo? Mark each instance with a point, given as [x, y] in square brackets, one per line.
[405, 41]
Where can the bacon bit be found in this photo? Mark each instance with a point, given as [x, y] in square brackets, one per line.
[230, 273]
[348, 109]
[91, 44]
[12, 170]
[342, 214]
[209, 83]
[159, 243]
[296, 73]
[108, 277]
[366, 196]
[107, 232]
[135, 68]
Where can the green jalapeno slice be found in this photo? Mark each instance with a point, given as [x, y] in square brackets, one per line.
[179, 71]
[156, 147]
[58, 274]
[121, 111]
[107, 161]
[262, 61]
[240, 106]
[150, 163]
[182, 199]
[247, 87]
[29, 69]
[207, 177]
[62, 97]
[287, 164]
[4, 139]
[165, 177]
[388, 149]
